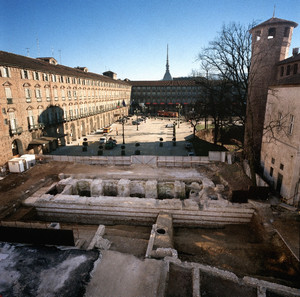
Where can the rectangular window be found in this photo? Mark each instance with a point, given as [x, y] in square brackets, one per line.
[45, 77]
[295, 69]
[273, 161]
[8, 95]
[36, 75]
[27, 95]
[47, 94]
[53, 77]
[63, 95]
[12, 121]
[271, 171]
[24, 74]
[271, 33]
[55, 94]
[258, 33]
[5, 72]
[279, 121]
[288, 70]
[291, 124]
[286, 32]
[281, 166]
[281, 71]
[38, 94]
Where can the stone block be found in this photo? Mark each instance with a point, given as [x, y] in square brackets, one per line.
[102, 243]
[110, 187]
[207, 183]
[190, 204]
[137, 189]
[166, 190]
[179, 189]
[124, 188]
[151, 189]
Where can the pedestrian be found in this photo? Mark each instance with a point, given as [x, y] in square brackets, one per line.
[117, 132]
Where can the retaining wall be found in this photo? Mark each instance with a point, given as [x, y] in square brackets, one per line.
[163, 161]
[142, 211]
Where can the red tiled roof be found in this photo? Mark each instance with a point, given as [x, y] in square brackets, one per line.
[164, 83]
[13, 60]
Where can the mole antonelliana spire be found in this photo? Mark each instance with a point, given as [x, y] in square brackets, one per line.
[167, 75]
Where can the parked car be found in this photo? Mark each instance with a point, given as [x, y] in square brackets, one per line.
[188, 146]
[102, 140]
[99, 131]
[169, 126]
[110, 144]
[135, 123]
[191, 154]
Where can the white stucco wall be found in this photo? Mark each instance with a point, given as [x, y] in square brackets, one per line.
[281, 146]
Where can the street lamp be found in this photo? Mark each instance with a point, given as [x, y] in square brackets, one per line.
[137, 123]
[123, 134]
[179, 107]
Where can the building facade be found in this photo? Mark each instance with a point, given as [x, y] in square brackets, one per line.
[44, 104]
[280, 152]
[169, 95]
[270, 45]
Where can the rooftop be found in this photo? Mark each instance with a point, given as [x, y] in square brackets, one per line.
[45, 65]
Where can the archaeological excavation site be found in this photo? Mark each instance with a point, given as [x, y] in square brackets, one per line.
[143, 231]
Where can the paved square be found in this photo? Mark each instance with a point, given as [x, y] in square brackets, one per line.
[148, 135]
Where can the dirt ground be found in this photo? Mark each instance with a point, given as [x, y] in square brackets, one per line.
[235, 248]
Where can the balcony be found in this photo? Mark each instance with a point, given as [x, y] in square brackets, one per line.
[16, 130]
[33, 127]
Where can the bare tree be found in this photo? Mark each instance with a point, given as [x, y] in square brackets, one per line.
[194, 117]
[229, 58]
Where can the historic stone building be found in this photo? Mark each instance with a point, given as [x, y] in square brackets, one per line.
[44, 104]
[270, 45]
[168, 95]
[280, 152]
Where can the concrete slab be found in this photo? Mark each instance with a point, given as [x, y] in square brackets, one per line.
[124, 275]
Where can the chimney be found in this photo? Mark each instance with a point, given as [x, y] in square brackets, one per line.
[295, 51]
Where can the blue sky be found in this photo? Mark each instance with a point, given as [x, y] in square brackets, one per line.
[129, 37]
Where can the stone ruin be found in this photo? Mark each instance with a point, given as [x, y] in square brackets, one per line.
[201, 191]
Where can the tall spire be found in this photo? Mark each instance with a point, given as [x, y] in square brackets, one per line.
[167, 75]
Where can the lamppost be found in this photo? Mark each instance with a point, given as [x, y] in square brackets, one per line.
[179, 107]
[123, 134]
[137, 123]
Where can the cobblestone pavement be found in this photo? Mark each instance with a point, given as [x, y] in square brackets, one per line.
[147, 135]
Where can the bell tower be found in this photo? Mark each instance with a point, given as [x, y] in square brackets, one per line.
[270, 45]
